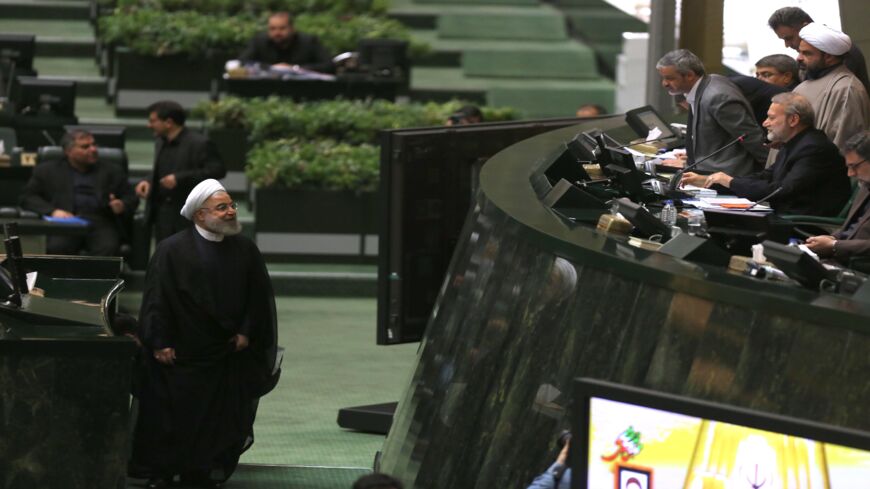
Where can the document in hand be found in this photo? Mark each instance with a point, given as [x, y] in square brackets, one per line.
[75, 220]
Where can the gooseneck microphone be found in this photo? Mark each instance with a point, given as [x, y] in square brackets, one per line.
[675, 179]
[765, 198]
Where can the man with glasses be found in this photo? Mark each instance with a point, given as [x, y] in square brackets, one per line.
[853, 239]
[207, 325]
[80, 186]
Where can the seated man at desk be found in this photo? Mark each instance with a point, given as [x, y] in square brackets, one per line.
[807, 176]
[78, 185]
[283, 47]
[853, 238]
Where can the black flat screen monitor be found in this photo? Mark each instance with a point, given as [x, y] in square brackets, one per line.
[631, 438]
[796, 264]
[384, 57]
[645, 224]
[18, 49]
[40, 96]
[644, 119]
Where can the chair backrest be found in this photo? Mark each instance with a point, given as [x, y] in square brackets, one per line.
[109, 156]
[10, 140]
[844, 212]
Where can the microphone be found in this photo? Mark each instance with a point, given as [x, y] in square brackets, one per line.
[50, 139]
[675, 179]
[764, 199]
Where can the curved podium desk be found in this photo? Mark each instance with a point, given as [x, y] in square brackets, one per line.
[530, 302]
[65, 379]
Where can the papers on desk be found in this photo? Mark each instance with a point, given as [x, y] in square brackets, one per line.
[699, 191]
[735, 204]
[75, 220]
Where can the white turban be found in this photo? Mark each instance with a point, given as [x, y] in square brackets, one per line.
[825, 39]
[199, 195]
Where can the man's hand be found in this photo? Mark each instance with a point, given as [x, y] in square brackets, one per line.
[563, 455]
[116, 204]
[61, 213]
[165, 356]
[675, 163]
[821, 245]
[719, 178]
[168, 182]
[240, 340]
[142, 189]
[691, 178]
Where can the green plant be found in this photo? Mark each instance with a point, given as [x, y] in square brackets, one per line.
[350, 121]
[160, 33]
[323, 164]
[234, 7]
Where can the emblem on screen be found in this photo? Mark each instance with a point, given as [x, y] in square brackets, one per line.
[628, 446]
[634, 478]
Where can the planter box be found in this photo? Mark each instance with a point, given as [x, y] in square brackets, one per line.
[138, 81]
[316, 225]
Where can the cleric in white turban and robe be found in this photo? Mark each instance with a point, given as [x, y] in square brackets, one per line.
[208, 330]
[839, 99]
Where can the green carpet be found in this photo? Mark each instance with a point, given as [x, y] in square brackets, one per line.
[79, 30]
[572, 62]
[534, 24]
[331, 362]
[66, 67]
[605, 24]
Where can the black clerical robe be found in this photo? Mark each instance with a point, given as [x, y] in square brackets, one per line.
[197, 415]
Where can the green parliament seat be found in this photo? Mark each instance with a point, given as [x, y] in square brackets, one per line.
[826, 222]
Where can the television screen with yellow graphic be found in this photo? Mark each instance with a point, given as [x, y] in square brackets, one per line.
[637, 447]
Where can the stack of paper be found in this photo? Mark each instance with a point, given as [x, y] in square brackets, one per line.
[699, 191]
[729, 204]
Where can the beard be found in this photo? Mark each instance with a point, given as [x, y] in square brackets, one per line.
[222, 226]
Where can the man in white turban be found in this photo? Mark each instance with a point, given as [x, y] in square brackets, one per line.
[839, 99]
[208, 331]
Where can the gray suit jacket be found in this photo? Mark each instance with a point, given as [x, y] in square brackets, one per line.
[722, 114]
[856, 243]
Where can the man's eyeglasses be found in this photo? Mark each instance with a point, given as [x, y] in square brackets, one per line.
[852, 166]
[223, 207]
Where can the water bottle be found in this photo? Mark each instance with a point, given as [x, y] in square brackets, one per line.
[669, 213]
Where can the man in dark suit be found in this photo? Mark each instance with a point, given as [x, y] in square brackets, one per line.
[808, 171]
[853, 239]
[182, 159]
[283, 47]
[81, 186]
[718, 115]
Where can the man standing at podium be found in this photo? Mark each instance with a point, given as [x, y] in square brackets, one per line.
[718, 115]
[207, 325]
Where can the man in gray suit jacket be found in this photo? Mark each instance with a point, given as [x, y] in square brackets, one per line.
[81, 186]
[718, 115]
[853, 239]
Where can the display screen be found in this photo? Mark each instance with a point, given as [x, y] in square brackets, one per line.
[637, 447]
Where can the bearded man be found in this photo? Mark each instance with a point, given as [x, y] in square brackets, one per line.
[207, 325]
[808, 174]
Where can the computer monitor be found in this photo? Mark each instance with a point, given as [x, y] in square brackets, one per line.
[631, 438]
[40, 96]
[16, 59]
[384, 57]
[796, 264]
[644, 119]
[645, 224]
[18, 49]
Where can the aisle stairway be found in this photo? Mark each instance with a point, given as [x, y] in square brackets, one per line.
[502, 52]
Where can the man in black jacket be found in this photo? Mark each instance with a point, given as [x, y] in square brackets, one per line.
[808, 172]
[182, 159]
[283, 47]
[81, 186]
